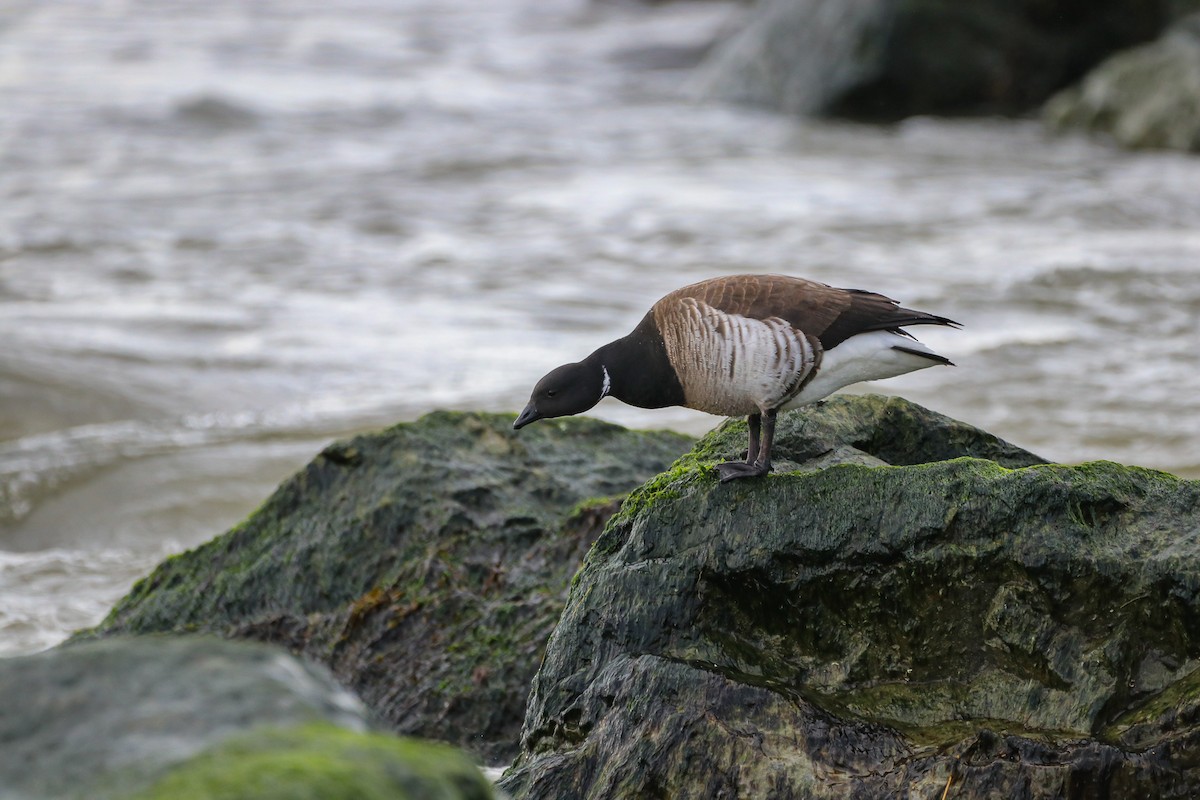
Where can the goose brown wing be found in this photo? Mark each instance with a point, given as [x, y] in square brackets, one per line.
[830, 314]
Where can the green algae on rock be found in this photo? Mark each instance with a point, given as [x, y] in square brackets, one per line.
[425, 564]
[322, 762]
[915, 605]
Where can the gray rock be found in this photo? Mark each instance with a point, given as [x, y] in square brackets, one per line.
[108, 719]
[426, 564]
[889, 59]
[1148, 97]
[960, 621]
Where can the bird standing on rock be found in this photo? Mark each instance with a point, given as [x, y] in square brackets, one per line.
[743, 345]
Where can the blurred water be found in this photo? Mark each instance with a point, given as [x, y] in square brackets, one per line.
[230, 232]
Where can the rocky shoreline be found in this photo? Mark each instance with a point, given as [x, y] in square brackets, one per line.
[908, 604]
[908, 607]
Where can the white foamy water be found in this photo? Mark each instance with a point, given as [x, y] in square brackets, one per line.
[231, 232]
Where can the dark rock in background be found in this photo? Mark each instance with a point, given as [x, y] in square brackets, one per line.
[957, 615]
[890, 59]
[1147, 97]
[425, 565]
[170, 717]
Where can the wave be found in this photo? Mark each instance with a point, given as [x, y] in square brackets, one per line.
[35, 466]
[48, 594]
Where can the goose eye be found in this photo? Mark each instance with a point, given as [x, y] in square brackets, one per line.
[551, 392]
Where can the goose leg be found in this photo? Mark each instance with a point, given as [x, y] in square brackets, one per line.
[768, 437]
[734, 469]
[758, 458]
[753, 421]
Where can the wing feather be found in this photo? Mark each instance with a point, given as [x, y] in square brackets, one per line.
[830, 314]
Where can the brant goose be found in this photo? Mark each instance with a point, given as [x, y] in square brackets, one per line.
[743, 345]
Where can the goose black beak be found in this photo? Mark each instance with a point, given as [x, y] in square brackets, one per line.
[530, 414]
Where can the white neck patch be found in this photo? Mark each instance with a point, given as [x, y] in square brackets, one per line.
[604, 390]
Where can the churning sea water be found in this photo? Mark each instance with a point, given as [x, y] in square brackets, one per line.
[231, 232]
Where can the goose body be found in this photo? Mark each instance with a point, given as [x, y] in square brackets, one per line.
[744, 345]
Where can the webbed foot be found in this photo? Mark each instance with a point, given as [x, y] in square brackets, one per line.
[732, 470]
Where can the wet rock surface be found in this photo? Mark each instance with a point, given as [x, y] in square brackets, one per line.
[425, 565]
[1144, 98]
[890, 59]
[182, 717]
[917, 608]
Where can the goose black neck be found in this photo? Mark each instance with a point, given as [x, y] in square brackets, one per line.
[639, 371]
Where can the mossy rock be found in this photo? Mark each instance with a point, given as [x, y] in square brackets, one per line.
[202, 717]
[909, 604]
[425, 564]
[322, 762]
